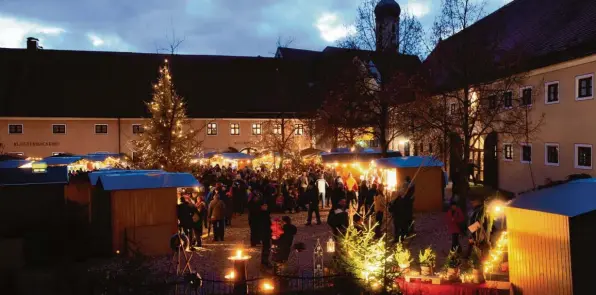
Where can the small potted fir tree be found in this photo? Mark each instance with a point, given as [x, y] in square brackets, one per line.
[452, 264]
[476, 265]
[403, 256]
[427, 259]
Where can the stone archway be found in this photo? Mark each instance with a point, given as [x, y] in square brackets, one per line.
[491, 160]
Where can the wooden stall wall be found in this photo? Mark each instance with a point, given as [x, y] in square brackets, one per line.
[428, 195]
[539, 252]
[143, 220]
[583, 239]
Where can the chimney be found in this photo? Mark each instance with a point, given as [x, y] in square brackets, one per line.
[32, 44]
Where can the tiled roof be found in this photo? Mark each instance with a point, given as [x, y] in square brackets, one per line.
[58, 83]
[534, 33]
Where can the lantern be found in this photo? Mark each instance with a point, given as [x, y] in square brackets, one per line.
[330, 246]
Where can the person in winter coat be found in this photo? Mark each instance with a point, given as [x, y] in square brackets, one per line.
[217, 215]
[362, 193]
[201, 209]
[313, 205]
[185, 212]
[322, 186]
[370, 199]
[338, 194]
[379, 207]
[254, 214]
[285, 241]
[351, 188]
[338, 218]
[265, 230]
[454, 218]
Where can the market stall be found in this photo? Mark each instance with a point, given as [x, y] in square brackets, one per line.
[551, 233]
[355, 162]
[311, 155]
[426, 173]
[136, 212]
[237, 160]
[83, 163]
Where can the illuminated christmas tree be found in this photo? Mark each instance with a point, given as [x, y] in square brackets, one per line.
[168, 140]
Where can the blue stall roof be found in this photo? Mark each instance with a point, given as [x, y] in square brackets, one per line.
[58, 161]
[147, 180]
[569, 199]
[237, 156]
[93, 176]
[13, 163]
[26, 176]
[408, 162]
[100, 157]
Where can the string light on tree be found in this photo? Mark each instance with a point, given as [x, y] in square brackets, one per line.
[169, 141]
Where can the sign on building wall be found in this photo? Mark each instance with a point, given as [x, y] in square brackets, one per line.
[36, 143]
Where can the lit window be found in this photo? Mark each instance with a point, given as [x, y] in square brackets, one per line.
[584, 86]
[583, 156]
[299, 129]
[235, 129]
[137, 129]
[15, 129]
[59, 128]
[277, 129]
[507, 152]
[552, 92]
[256, 129]
[407, 149]
[212, 128]
[526, 153]
[101, 128]
[551, 154]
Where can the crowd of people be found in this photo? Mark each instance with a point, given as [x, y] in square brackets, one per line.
[231, 192]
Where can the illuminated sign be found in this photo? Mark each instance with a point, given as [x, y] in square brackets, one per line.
[39, 167]
[36, 143]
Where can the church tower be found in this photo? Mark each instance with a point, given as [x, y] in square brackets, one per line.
[387, 25]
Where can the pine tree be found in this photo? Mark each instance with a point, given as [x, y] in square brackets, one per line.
[168, 142]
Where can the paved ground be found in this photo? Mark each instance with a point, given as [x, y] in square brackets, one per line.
[212, 260]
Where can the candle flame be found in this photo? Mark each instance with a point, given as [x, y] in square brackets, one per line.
[231, 275]
[239, 254]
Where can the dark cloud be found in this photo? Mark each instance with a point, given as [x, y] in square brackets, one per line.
[231, 27]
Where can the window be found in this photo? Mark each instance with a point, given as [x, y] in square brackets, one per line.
[583, 86]
[57, 153]
[299, 129]
[421, 148]
[526, 96]
[407, 149]
[551, 154]
[101, 128]
[430, 148]
[552, 93]
[277, 129]
[235, 129]
[492, 102]
[59, 128]
[256, 129]
[20, 154]
[373, 143]
[526, 153]
[134, 156]
[15, 128]
[583, 156]
[453, 109]
[212, 128]
[508, 99]
[508, 152]
[137, 129]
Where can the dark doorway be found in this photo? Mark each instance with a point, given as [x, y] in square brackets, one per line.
[491, 163]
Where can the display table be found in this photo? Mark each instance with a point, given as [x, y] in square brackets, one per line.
[417, 287]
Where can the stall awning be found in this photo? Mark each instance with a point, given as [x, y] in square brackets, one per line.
[569, 199]
[13, 164]
[24, 176]
[129, 181]
[94, 176]
[237, 156]
[60, 161]
[310, 152]
[408, 162]
[363, 156]
[101, 157]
